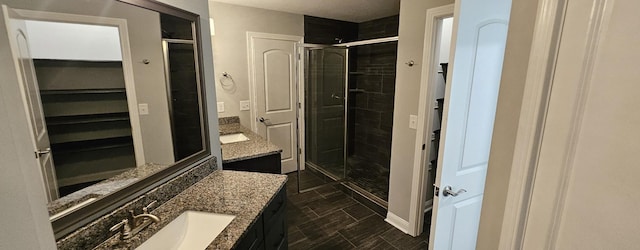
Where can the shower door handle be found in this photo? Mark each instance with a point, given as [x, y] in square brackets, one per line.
[265, 121]
[335, 96]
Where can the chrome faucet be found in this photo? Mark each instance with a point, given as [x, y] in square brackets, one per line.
[135, 223]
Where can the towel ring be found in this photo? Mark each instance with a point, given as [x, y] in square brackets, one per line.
[226, 81]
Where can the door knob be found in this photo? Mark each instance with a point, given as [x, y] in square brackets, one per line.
[265, 121]
[335, 96]
[448, 191]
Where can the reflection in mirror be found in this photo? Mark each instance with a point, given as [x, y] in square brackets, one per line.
[82, 88]
[181, 69]
[112, 100]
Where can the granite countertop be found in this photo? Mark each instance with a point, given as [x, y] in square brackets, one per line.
[104, 188]
[255, 147]
[243, 194]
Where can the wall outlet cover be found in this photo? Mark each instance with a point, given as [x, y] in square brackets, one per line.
[220, 107]
[143, 108]
[245, 105]
[413, 121]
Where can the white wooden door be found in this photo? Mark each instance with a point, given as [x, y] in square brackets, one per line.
[16, 29]
[274, 71]
[585, 191]
[471, 98]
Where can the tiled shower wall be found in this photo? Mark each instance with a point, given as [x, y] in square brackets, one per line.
[372, 83]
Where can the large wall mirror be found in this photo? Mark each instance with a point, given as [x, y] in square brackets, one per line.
[114, 96]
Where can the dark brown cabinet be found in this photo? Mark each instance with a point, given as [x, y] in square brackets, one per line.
[269, 232]
[264, 164]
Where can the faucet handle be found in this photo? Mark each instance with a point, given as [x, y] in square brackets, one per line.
[118, 226]
[146, 208]
[122, 227]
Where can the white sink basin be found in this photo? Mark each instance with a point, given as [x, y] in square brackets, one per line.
[231, 138]
[191, 230]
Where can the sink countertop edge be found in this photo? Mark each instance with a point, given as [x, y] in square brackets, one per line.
[255, 147]
[242, 194]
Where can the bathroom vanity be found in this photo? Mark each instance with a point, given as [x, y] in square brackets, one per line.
[257, 200]
[136, 149]
[255, 154]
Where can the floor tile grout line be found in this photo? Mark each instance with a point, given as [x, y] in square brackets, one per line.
[390, 243]
[349, 215]
[299, 230]
[374, 212]
[331, 211]
[323, 196]
[345, 238]
[314, 212]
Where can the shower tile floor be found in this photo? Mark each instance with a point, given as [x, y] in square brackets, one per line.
[326, 218]
[369, 176]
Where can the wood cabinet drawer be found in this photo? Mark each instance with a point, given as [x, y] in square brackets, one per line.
[277, 204]
[265, 164]
[277, 232]
[254, 239]
[270, 230]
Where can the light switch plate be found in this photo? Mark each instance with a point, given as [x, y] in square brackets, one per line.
[245, 105]
[413, 121]
[220, 107]
[143, 108]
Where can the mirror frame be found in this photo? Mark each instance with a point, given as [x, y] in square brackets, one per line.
[84, 215]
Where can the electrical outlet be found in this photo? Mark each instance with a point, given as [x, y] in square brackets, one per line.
[413, 121]
[143, 108]
[220, 107]
[245, 105]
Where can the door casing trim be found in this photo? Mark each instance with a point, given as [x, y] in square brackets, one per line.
[542, 61]
[425, 116]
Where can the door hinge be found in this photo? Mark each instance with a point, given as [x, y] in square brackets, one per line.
[299, 151]
[299, 105]
[299, 57]
[436, 190]
[424, 146]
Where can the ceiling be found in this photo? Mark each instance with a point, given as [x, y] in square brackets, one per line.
[345, 10]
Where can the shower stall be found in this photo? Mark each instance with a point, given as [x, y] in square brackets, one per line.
[347, 93]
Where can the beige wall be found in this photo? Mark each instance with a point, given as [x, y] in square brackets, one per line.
[514, 72]
[230, 47]
[151, 87]
[410, 45]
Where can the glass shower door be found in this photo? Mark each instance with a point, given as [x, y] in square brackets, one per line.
[325, 98]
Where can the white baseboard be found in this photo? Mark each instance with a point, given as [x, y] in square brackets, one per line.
[397, 222]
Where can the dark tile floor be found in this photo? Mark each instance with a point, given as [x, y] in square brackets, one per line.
[326, 218]
[369, 176]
